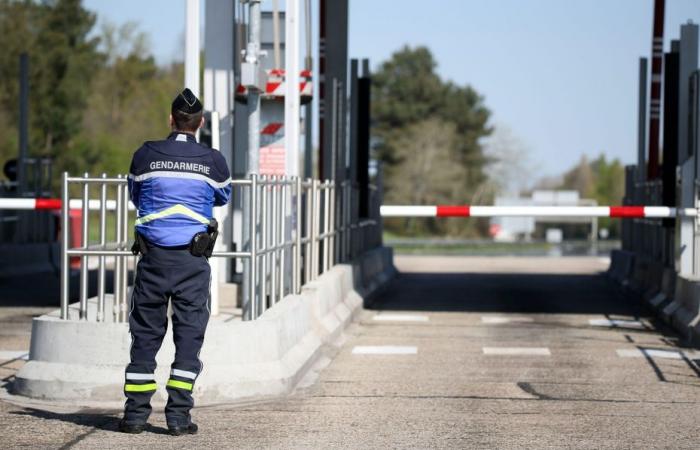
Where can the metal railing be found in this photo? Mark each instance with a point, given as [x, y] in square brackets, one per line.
[647, 237]
[301, 229]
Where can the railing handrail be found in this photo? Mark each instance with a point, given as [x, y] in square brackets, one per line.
[322, 235]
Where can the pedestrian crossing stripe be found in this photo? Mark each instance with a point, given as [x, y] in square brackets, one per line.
[149, 387]
[180, 384]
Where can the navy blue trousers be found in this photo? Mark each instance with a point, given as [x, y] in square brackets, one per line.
[164, 275]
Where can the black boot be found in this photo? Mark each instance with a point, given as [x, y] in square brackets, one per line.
[179, 430]
[131, 428]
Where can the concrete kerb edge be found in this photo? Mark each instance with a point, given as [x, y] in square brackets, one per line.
[297, 336]
[683, 313]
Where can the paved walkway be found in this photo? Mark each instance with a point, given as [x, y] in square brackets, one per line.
[459, 353]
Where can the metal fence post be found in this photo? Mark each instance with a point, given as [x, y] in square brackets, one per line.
[265, 219]
[296, 264]
[65, 234]
[116, 298]
[124, 242]
[253, 298]
[281, 236]
[315, 222]
[84, 261]
[101, 277]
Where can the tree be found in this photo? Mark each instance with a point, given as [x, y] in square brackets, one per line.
[424, 172]
[128, 103]
[508, 167]
[63, 60]
[580, 178]
[406, 91]
[600, 180]
[67, 59]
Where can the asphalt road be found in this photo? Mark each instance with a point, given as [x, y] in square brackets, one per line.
[456, 353]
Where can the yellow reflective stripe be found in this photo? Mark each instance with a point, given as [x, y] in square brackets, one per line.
[140, 387]
[177, 209]
[180, 384]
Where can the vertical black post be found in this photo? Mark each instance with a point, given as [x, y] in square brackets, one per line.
[333, 65]
[352, 176]
[670, 127]
[363, 121]
[23, 123]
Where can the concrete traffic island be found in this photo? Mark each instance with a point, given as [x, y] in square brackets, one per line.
[75, 361]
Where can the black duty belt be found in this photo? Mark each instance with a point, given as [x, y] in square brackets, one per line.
[202, 244]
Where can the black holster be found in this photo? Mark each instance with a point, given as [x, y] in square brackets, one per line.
[140, 245]
[202, 244]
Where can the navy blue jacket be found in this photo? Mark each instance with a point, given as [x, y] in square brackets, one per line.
[174, 184]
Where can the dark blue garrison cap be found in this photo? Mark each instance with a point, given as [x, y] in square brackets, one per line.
[186, 102]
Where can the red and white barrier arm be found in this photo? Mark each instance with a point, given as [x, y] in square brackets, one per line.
[537, 211]
[53, 204]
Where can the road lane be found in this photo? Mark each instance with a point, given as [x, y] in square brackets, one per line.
[447, 391]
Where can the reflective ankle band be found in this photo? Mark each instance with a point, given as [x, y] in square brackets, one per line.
[180, 384]
[140, 387]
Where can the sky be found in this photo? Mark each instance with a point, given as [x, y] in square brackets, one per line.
[561, 76]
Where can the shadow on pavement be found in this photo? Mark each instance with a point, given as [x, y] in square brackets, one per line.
[505, 293]
[106, 421]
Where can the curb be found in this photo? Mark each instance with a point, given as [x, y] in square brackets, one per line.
[243, 361]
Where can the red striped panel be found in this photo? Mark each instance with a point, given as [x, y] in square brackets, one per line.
[48, 203]
[452, 211]
[627, 211]
[271, 87]
[272, 128]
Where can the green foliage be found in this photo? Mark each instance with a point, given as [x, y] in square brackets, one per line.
[421, 121]
[601, 180]
[94, 97]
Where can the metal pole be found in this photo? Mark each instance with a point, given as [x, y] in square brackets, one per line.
[296, 265]
[292, 112]
[250, 310]
[282, 237]
[192, 46]
[252, 55]
[642, 121]
[118, 260]
[657, 54]
[65, 233]
[218, 268]
[276, 34]
[308, 109]
[23, 124]
[101, 279]
[315, 220]
[84, 268]
[267, 237]
[125, 266]
[326, 226]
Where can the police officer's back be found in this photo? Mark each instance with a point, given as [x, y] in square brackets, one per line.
[174, 184]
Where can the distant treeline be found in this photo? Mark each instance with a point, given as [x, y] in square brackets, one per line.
[95, 95]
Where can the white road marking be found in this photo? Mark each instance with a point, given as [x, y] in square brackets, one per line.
[534, 351]
[653, 353]
[400, 318]
[496, 320]
[605, 261]
[6, 355]
[614, 323]
[384, 350]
